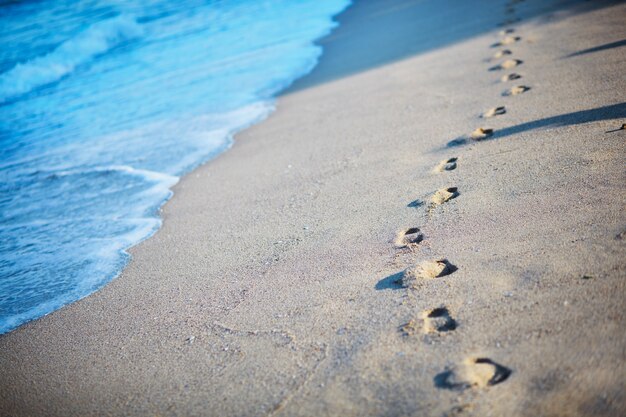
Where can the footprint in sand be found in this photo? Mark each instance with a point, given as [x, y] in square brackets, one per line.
[510, 77]
[416, 275]
[408, 238]
[502, 53]
[438, 320]
[519, 89]
[507, 40]
[505, 32]
[444, 194]
[473, 372]
[477, 135]
[508, 64]
[447, 165]
[435, 321]
[495, 111]
[481, 133]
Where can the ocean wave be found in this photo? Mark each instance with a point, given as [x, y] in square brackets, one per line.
[93, 41]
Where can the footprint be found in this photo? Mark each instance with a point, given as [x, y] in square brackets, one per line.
[473, 372]
[438, 320]
[414, 276]
[477, 135]
[508, 64]
[447, 165]
[408, 237]
[496, 111]
[444, 194]
[481, 133]
[516, 90]
[502, 53]
[511, 63]
[507, 31]
[507, 40]
[510, 77]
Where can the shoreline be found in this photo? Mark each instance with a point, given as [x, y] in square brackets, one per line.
[220, 100]
[269, 288]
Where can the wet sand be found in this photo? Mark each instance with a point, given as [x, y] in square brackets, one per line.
[376, 247]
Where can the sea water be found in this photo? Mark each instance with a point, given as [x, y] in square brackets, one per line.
[104, 104]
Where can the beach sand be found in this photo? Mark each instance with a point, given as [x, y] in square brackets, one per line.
[277, 284]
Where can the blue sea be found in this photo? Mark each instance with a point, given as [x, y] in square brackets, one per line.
[105, 104]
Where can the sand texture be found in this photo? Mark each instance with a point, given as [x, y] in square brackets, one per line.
[274, 287]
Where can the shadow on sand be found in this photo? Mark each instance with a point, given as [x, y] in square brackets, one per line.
[615, 111]
[369, 35]
[392, 282]
[598, 48]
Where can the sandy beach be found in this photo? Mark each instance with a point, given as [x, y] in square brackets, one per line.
[383, 244]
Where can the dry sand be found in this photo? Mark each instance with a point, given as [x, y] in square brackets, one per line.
[272, 288]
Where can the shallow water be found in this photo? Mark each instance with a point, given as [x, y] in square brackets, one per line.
[104, 104]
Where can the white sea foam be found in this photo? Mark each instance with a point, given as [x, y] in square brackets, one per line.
[165, 179]
[93, 41]
[95, 275]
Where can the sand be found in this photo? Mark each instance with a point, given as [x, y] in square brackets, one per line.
[272, 287]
